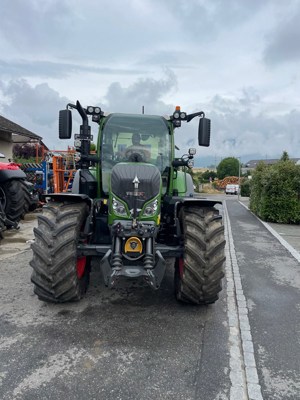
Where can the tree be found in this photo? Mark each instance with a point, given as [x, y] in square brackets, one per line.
[228, 167]
[207, 175]
[285, 156]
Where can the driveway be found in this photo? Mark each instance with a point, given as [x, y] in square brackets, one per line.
[135, 343]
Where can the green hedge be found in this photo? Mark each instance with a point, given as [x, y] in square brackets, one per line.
[275, 192]
[245, 188]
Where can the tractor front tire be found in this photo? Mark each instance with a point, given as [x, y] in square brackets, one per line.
[198, 275]
[15, 198]
[59, 275]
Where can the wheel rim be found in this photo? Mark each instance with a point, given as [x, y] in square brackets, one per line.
[80, 267]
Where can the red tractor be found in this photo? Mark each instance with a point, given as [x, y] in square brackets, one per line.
[15, 197]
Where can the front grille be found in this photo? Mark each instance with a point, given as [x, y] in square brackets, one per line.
[122, 177]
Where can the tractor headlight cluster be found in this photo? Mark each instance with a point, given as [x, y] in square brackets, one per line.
[119, 208]
[179, 114]
[150, 209]
[93, 110]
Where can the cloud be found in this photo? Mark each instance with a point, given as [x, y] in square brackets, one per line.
[168, 58]
[239, 128]
[33, 107]
[27, 26]
[146, 92]
[38, 103]
[252, 110]
[283, 41]
[202, 21]
[36, 106]
[58, 70]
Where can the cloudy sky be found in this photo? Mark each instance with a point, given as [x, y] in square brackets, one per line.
[237, 60]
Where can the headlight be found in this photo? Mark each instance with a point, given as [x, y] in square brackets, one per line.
[77, 143]
[90, 109]
[119, 208]
[151, 209]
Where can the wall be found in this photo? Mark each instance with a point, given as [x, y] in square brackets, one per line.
[6, 146]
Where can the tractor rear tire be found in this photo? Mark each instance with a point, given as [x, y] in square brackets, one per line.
[59, 275]
[15, 199]
[198, 275]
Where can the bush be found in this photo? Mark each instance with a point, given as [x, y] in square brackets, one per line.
[245, 188]
[26, 151]
[275, 192]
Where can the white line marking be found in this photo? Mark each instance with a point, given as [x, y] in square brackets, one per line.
[243, 371]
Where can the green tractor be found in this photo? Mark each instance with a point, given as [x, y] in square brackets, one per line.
[131, 208]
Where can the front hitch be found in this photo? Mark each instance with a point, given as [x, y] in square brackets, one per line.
[152, 276]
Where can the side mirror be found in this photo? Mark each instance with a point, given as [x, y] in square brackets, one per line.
[192, 151]
[65, 124]
[204, 132]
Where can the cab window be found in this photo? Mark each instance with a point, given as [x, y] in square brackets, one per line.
[134, 138]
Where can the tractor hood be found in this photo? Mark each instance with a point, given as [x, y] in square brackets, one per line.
[138, 182]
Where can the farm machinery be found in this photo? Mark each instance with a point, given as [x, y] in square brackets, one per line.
[130, 211]
[15, 195]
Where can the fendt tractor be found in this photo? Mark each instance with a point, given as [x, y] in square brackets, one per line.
[129, 210]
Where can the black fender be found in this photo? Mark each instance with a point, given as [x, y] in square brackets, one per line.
[68, 197]
[200, 202]
[9, 174]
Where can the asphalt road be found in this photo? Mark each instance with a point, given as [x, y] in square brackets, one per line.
[134, 343]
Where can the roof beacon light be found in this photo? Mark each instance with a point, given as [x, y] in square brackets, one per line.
[176, 114]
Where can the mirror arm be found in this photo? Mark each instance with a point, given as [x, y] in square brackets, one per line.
[181, 163]
[191, 116]
[82, 113]
[70, 105]
[80, 110]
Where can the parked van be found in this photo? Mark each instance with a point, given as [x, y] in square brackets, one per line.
[232, 189]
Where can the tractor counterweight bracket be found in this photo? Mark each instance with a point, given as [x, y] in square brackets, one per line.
[152, 276]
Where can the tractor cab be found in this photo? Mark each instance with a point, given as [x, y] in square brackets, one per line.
[128, 138]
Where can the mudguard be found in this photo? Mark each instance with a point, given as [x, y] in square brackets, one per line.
[200, 202]
[69, 197]
[8, 174]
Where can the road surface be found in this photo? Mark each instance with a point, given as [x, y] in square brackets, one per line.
[134, 343]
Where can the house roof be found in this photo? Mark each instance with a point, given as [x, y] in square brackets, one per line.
[269, 161]
[20, 134]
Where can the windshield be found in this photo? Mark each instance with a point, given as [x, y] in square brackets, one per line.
[135, 138]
